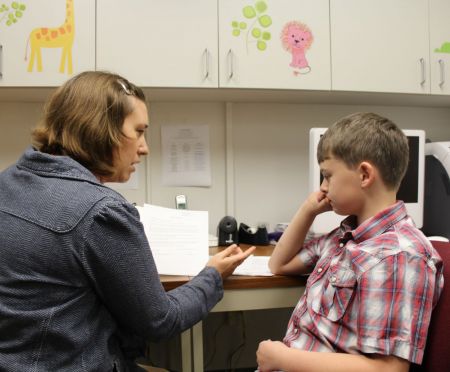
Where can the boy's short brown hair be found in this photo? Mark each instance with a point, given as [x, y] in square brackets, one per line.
[368, 137]
[83, 119]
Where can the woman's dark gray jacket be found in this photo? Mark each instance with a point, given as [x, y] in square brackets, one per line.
[77, 277]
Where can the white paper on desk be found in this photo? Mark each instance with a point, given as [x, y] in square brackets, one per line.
[185, 155]
[254, 266]
[178, 238]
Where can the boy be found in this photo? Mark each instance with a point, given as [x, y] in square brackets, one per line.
[375, 279]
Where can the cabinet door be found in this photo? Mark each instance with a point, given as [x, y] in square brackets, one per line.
[274, 44]
[170, 43]
[440, 46]
[380, 46]
[45, 42]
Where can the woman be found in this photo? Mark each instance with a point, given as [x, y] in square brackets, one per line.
[79, 290]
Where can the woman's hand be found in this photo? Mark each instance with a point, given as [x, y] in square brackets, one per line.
[227, 260]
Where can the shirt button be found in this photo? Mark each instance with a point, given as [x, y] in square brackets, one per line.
[333, 279]
[319, 270]
[341, 245]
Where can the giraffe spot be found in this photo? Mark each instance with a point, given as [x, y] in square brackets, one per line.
[44, 31]
[69, 28]
[54, 34]
[38, 36]
[62, 31]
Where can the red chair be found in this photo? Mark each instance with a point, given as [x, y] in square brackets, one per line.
[437, 350]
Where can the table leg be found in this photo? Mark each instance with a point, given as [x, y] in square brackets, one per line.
[197, 347]
[186, 351]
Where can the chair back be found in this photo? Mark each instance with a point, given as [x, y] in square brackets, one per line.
[437, 350]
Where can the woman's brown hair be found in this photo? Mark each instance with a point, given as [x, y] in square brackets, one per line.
[83, 119]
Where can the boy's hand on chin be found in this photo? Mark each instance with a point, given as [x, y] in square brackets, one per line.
[317, 203]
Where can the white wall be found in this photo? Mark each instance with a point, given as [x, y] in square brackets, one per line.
[270, 143]
[16, 122]
[268, 176]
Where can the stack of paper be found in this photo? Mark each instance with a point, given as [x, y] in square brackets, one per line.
[254, 266]
[178, 238]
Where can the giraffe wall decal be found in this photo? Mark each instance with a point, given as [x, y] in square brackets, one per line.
[57, 37]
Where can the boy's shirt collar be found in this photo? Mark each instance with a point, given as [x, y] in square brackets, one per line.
[373, 226]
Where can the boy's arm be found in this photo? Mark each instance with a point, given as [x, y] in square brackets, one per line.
[274, 355]
[284, 259]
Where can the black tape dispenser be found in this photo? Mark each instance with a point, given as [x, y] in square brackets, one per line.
[253, 236]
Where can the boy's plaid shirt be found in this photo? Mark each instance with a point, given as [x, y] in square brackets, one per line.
[372, 289]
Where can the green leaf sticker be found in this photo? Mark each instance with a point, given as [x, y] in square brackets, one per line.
[11, 13]
[261, 6]
[265, 21]
[444, 48]
[261, 45]
[256, 33]
[251, 31]
[249, 12]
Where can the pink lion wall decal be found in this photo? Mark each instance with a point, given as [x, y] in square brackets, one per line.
[297, 38]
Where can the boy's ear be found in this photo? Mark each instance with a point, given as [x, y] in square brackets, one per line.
[367, 173]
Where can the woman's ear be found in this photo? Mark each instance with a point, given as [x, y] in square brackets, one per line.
[366, 173]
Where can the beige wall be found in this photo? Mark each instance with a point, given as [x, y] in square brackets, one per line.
[267, 176]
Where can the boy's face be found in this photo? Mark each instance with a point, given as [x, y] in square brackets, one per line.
[342, 186]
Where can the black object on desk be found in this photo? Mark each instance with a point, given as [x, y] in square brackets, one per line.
[227, 231]
[248, 236]
[436, 218]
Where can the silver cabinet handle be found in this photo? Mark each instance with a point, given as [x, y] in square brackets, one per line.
[206, 55]
[1, 59]
[422, 71]
[230, 64]
[441, 72]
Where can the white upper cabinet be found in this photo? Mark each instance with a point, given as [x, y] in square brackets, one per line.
[171, 43]
[440, 46]
[281, 44]
[43, 43]
[380, 46]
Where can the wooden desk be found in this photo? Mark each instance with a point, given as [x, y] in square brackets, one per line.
[240, 293]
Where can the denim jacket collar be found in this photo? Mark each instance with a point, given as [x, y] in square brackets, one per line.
[55, 166]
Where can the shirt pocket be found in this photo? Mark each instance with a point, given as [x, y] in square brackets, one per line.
[339, 287]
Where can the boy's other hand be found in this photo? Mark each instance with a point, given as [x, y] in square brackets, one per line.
[227, 260]
[268, 353]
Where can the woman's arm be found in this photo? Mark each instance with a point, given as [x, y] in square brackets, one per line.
[119, 265]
